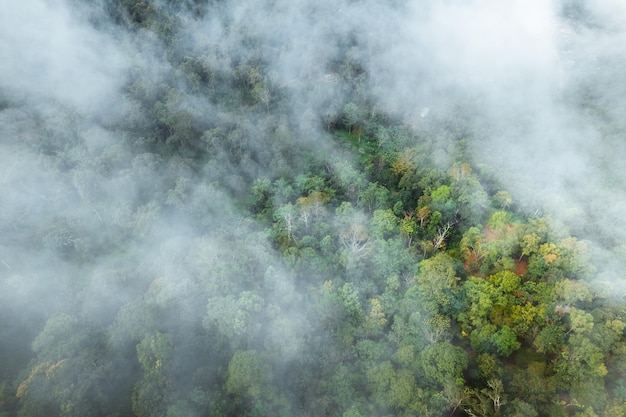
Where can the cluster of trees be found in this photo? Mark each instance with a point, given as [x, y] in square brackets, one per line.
[205, 260]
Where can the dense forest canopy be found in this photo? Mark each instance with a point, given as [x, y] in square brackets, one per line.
[312, 208]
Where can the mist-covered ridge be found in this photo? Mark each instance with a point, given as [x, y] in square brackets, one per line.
[312, 208]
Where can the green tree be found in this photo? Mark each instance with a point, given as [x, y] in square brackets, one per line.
[473, 247]
[485, 402]
[374, 197]
[73, 373]
[441, 194]
[534, 383]
[154, 391]
[505, 341]
[234, 317]
[437, 283]
[351, 116]
[383, 224]
[248, 375]
[443, 363]
[503, 199]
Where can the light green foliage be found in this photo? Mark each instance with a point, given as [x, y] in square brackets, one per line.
[588, 412]
[576, 256]
[434, 222]
[488, 366]
[374, 197]
[248, 374]
[402, 389]
[345, 210]
[607, 331]
[283, 192]
[330, 304]
[505, 281]
[350, 297]
[550, 339]
[405, 168]
[376, 320]
[479, 293]
[384, 224]
[408, 329]
[564, 259]
[529, 244]
[234, 316]
[154, 352]
[581, 370]
[351, 116]
[405, 356]
[437, 283]
[505, 341]
[473, 246]
[352, 412]
[153, 391]
[497, 315]
[499, 221]
[441, 194]
[342, 387]
[615, 408]
[379, 379]
[443, 363]
[580, 321]
[573, 292]
[503, 199]
[437, 328]
[61, 338]
[351, 180]
[392, 258]
[408, 228]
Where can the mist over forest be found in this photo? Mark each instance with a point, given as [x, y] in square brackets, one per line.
[313, 208]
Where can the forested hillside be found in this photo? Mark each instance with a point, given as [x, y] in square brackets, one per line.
[312, 208]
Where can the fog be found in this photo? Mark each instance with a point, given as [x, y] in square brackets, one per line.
[527, 74]
[536, 87]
